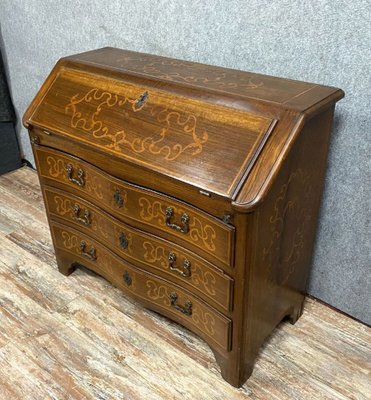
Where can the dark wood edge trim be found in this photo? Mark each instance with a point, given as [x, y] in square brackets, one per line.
[247, 325]
[324, 104]
[251, 164]
[26, 119]
[262, 192]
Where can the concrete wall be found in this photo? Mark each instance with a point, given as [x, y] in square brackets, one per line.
[322, 41]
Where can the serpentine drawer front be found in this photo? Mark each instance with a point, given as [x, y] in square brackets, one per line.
[202, 232]
[170, 298]
[194, 189]
[177, 263]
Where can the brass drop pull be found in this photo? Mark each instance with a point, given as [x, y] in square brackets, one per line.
[118, 198]
[90, 254]
[85, 218]
[186, 271]
[79, 181]
[141, 101]
[184, 221]
[124, 243]
[127, 278]
[187, 309]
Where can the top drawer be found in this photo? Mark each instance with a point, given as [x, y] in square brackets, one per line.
[197, 230]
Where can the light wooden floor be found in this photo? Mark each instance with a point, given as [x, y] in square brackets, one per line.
[80, 338]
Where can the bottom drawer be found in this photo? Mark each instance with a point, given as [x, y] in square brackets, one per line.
[157, 293]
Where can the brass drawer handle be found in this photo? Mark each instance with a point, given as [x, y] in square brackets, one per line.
[124, 243]
[127, 278]
[85, 219]
[80, 181]
[186, 266]
[184, 221]
[90, 254]
[187, 309]
[118, 198]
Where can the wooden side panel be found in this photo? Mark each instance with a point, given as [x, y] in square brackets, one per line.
[206, 234]
[157, 293]
[281, 237]
[176, 263]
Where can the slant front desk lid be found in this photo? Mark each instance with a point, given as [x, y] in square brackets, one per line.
[202, 125]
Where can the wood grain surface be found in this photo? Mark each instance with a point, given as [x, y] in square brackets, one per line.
[165, 132]
[80, 338]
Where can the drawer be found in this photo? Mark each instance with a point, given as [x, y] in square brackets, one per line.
[155, 292]
[195, 229]
[177, 263]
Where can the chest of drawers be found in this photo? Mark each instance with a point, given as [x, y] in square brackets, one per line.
[194, 189]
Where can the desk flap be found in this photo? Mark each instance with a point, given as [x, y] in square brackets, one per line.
[201, 143]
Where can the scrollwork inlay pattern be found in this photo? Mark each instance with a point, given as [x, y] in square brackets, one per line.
[154, 254]
[57, 170]
[169, 121]
[71, 242]
[192, 73]
[204, 279]
[282, 210]
[63, 206]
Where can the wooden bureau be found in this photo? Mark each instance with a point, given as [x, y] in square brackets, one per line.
[195, 189]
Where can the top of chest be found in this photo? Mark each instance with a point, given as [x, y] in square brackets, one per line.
[198, 125]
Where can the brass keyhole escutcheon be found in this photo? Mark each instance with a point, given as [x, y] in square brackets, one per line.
[117, 197]
[127, 278]
[124, 243]
[139, 104]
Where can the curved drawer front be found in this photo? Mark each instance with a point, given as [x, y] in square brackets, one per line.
[171, 299]
[202, 231]
[135, 245]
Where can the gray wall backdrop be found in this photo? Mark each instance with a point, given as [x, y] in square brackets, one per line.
[322, 41]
